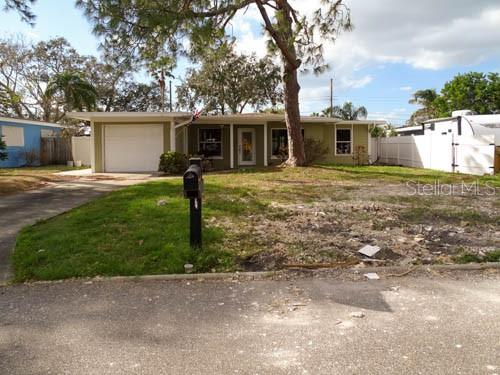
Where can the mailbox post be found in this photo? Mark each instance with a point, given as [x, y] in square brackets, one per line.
[193, 189]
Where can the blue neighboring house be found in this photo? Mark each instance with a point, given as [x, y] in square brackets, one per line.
[24, 135]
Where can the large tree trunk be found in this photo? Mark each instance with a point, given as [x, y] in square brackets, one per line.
[291, 88]
[284, 38]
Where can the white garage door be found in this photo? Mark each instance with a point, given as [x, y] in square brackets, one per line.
[132, 148]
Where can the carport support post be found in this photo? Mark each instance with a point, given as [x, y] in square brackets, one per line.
[172, 136]
[195, 222]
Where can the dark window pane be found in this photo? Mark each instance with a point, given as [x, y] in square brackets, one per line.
[210, 135]
[280, 141]
[343, 135]
[211, 149]
[210, 142]
[343, 148]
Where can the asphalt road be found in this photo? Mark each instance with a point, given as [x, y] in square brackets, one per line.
[426, 324]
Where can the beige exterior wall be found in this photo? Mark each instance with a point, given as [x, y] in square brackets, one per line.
[318, 131]
[325, 133]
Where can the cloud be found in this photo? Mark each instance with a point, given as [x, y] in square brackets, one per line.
[353, 83]
[396, 116]
[424, 34]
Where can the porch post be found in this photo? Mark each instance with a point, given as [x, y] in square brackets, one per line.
[92, 146]
[231, 145]
[265, 144]
[370, 159]
[172, 136]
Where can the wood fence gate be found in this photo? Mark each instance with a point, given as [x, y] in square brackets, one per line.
[55, 150]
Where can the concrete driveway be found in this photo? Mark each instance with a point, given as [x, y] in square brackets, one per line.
[27, 208]
[427, 324]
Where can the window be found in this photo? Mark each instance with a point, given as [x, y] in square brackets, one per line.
[13, 136]
[343, 142]
[210, 142]
[279, 145]
[47, 133]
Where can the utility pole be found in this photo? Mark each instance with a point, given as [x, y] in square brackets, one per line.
[331, 97]
[161, 82]
[170, 94]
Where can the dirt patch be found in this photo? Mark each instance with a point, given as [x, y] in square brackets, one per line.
[408, 229]
[11, 184]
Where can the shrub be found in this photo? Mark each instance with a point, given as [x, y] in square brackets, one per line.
[315, 150]
[31, 156]
[173, 162]
[3, 148]
[360, 155]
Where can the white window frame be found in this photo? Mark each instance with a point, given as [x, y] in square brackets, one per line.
[16, 136]
[285, 129]
[221, 141]
[350, 142]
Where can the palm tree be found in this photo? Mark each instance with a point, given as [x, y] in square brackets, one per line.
[76, 91]
[348, 111]
[427, 99]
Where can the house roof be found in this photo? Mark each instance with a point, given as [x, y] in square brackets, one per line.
[29, 122]
[122, 116]
[243, 118]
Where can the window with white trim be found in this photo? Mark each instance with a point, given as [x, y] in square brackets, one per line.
[343, 141]
[279, 142]
[210, 142]
[13, 136]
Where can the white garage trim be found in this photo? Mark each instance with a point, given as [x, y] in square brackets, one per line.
[132, 147]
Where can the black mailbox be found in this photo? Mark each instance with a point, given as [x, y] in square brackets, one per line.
[193, 188]
[193, 182]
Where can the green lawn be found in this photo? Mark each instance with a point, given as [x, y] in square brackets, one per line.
[128, 233]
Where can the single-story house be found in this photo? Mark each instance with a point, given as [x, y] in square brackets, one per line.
[134, 141]
[24, 137]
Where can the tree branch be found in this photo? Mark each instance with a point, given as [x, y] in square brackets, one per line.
[274, 34]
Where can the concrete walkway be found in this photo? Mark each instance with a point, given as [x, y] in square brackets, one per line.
[426, 324]
[27, 208]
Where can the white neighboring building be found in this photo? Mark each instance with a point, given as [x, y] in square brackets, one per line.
[465, 123]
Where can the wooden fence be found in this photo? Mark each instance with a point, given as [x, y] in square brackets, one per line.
[55, 150]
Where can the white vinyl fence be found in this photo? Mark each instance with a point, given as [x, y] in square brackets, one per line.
[81, 147]
[449, 153]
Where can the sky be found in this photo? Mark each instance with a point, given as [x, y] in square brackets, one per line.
[396, 47]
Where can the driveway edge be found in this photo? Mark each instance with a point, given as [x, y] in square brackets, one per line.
[264, 275]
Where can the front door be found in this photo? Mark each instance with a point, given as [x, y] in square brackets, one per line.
[246, 146]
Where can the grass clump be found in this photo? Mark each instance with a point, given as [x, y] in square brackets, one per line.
[466, 257]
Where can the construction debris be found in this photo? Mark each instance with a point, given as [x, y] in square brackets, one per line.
[369, 250]
[371, 276]
[357, 314]
[188, 268]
